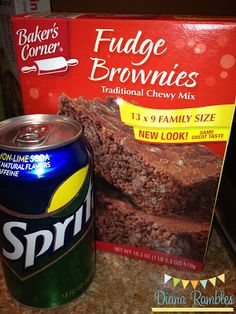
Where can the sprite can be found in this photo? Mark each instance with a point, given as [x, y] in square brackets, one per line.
[46, 208]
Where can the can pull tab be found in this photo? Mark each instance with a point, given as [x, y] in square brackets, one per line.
[32, 134]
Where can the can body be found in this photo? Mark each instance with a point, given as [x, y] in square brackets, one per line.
[46, 200]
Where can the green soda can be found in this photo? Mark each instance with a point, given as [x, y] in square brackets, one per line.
[46, 203]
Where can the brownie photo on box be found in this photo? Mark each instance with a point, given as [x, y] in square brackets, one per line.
[119, 221]
[158, 179]
[154, 196]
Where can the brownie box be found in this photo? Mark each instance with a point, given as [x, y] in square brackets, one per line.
[155, 96]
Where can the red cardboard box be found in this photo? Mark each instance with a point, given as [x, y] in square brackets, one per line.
[156, 99]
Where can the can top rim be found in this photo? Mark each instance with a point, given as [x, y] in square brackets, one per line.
[37, 132]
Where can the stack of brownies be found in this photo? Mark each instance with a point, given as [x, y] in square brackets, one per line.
[152, 196]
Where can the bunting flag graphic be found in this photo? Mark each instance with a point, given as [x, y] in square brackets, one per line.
[166, 278]
[194, 282]
[175, 281]
[185, 283]
[203, 283]
[222, 277]
[213, 281]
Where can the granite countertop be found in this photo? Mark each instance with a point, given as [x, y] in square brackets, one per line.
[123, 285]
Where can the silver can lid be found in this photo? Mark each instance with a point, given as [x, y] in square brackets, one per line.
[38, 132]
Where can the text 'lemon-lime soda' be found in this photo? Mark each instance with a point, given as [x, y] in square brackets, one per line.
[46, 216]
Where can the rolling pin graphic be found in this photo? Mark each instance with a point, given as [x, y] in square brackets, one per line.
[49, 66]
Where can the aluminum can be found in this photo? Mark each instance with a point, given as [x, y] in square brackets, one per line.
[46, 203]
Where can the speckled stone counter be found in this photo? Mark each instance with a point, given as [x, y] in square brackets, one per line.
[124, 285]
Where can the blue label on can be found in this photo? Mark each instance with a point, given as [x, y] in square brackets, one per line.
[47, 209]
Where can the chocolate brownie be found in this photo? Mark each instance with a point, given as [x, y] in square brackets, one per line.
[158, 178]
[119, 221]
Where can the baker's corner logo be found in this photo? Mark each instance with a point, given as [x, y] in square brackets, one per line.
[193, 295]
[50, 66]
[43, 49]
